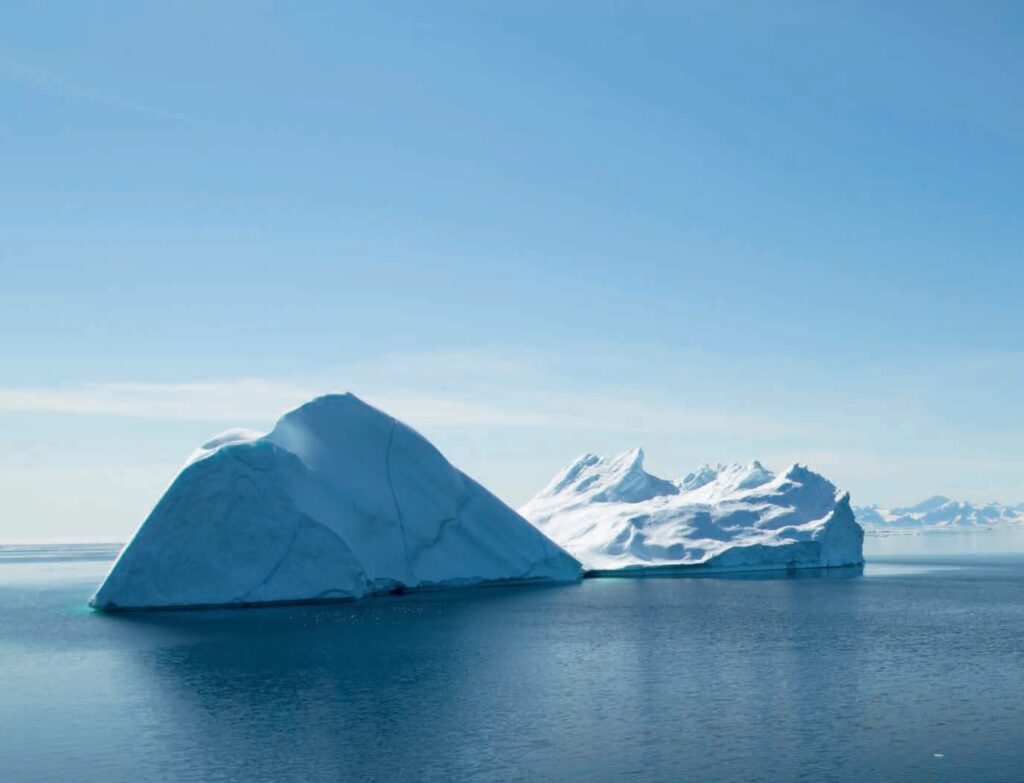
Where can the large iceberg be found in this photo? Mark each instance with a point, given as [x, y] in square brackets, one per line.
[619, 520]
[338, 501]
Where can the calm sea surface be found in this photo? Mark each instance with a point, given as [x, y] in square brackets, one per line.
[910, 671]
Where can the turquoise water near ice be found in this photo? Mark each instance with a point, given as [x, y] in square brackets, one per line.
[911, 670]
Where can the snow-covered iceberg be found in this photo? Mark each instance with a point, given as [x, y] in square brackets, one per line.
[617, 519]
[338, 501]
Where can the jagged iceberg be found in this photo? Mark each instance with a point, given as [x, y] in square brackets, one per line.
[617, 519]
[338, 501]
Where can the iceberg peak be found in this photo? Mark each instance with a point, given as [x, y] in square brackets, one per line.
[931, 504]
[596, 479]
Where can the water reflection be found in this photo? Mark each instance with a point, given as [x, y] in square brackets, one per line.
[500, 684]
[373, 690]
[775, 677]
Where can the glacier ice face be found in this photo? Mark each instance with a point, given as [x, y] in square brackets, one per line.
[614, 516]
[339, 500]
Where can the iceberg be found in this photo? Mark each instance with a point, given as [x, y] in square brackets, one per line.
[619, 520]
[338, 501]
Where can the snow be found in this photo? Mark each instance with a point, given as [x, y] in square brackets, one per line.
[338, 501]
[229, 436]
[939, 514]
[617, 519]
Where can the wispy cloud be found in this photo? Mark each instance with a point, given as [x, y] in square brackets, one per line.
[243, 399]
[39, 79]
[513, 417]
[437, 391]
[506, 388]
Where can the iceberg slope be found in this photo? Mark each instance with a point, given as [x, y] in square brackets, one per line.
[614, 517]
[339, 500]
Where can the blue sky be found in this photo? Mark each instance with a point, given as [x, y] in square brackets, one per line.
[722, 231]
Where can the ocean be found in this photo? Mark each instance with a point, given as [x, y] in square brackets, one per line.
[909, 669]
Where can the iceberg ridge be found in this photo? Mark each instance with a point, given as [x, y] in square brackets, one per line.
[717, 518]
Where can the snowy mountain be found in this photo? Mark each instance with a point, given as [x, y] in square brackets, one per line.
[339, 500]
[615, 517]
[937, 514]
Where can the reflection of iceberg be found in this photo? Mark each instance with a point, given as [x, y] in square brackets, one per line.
[830, 573]
[621, 521]
[371, 690]
[503, 684]
[339, 501]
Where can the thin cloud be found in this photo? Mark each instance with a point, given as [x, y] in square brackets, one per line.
[45, 81]
[244, 399]
[248, 400]
[260, 401]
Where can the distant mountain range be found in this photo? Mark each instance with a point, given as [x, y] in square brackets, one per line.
[939, 513]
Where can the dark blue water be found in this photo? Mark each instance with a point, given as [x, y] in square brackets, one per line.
[865, 678]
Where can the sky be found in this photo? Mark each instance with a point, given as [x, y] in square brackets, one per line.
[722, 231]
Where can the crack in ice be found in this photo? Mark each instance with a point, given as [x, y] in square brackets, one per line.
[394, 498]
